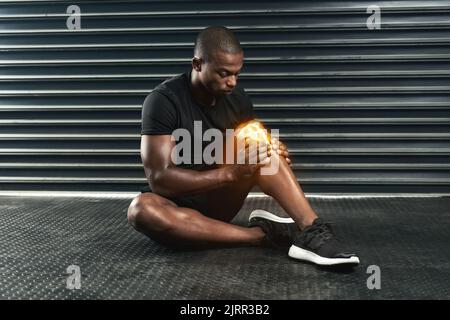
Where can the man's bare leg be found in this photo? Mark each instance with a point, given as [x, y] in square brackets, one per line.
[163, 221]
[285, 189]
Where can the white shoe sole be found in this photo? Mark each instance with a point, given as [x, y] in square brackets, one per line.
[302, 254]
[259, 213]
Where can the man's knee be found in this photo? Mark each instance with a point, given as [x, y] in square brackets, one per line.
[145, 214]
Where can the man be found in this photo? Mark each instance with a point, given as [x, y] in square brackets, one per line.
[192, 203]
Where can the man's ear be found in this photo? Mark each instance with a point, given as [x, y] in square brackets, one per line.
[197, 64]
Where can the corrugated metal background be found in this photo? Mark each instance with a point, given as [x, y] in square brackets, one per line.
[361, 110]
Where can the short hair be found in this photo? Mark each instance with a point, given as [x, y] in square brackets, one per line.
[216, 38]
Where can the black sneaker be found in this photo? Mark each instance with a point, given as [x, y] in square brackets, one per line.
[318, 244]
[280, 232]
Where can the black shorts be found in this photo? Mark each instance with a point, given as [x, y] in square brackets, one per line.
[197, 202]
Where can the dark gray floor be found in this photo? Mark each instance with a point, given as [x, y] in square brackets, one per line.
[408, 238]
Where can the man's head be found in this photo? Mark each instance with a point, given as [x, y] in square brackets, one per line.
[218, 59]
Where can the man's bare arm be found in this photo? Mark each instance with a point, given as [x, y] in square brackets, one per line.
[168, 180]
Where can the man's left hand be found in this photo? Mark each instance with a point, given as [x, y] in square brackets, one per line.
[279, 147]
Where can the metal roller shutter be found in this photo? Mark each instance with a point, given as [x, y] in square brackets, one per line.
[361, 110]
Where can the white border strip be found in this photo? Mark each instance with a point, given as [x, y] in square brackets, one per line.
[362, 195]
[130, 195]
[74, 194]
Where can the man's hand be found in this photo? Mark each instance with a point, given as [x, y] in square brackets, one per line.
[255, 129]
[252, 159]
[278, 147]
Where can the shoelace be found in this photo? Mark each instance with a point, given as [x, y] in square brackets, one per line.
[323, 230]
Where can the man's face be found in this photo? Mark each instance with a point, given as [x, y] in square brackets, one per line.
[219, 75]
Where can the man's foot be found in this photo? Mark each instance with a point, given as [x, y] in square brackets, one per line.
[280, 232]
[318, 244]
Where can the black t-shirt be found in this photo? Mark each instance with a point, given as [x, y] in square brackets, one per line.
[171, 106]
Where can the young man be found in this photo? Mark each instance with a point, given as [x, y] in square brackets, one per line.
[192, 203]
